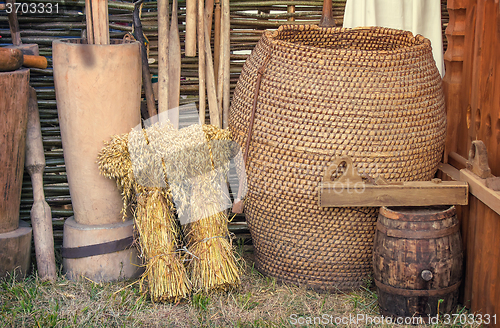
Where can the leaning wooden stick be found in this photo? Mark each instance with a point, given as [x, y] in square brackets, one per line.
[190, 40]
[212, 95]
[163, 74]
[209, 11]
[174, 69]
[219, 53]
[201, 60]
[146, 76]
[88, 18]
[226, 61]
[217, 18]
[105, 21]
[41, 217]
[96, 24]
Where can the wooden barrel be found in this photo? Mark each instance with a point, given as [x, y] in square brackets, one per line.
[13, 122]
[417, 260]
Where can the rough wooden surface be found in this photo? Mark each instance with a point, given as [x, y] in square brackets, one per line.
[481, 228]
[15, 251]
[472, 86]
[429, 242]
[13, 122]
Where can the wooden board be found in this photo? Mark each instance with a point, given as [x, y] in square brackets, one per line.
[418, 193]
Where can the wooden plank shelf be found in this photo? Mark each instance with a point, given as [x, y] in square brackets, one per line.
[350, 190]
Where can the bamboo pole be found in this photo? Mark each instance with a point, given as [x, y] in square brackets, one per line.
[163, 73]
[201, 60]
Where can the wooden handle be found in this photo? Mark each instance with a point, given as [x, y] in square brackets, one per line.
[14, 25]
[35, 61]
[350, 174]
[190, 42]
[41, 217]
[327, 19]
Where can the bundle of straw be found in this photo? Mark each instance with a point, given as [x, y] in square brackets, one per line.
[159, 235]
[154, 221]
[213, 266]
[138, 161]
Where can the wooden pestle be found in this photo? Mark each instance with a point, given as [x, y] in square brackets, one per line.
[41, 217]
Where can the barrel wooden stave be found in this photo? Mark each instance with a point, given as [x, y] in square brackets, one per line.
[406, 245]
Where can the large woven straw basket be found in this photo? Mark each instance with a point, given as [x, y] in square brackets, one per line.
[373, 94]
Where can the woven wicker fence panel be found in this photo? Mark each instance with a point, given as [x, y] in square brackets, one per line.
[372, 94]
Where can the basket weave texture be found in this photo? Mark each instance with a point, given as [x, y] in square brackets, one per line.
[373, 94]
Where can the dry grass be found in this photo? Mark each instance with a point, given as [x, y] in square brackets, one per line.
[258, 302]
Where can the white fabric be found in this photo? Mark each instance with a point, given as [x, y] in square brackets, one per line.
[418, 16]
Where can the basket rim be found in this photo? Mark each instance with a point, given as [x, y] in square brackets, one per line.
[421, 43]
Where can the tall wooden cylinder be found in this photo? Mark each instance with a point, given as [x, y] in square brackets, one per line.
[13, 122]
[98, 92]
[15, 237]
[417, 260]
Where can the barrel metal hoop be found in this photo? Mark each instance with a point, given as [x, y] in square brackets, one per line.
[422, 234]
[97, 249]
[417, 292]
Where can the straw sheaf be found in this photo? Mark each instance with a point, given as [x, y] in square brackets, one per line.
[373, 94]
[140, 162]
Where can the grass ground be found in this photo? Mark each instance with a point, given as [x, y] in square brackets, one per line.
[259, 302]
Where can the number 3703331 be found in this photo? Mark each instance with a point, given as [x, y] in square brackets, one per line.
[463, 319]
[32, 8]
